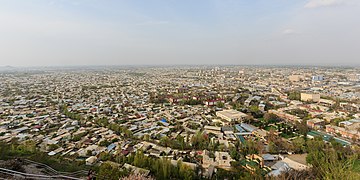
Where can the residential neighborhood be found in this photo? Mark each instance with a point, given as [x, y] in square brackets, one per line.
[209, 119]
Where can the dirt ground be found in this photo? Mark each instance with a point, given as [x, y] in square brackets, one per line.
[21, 167]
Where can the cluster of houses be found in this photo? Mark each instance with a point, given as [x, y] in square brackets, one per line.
[75, 113]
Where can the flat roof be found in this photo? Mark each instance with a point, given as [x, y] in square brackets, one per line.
[213, 128]
[327, 137]
[316, 120]
[239, 128]
[232, 113]
[248, 127]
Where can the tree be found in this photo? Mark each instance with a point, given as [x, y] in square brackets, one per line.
[26, 147]
[104, 156]
[146, 137]
[294, 95]
[89, 153]
[186, 172]
[165, 141]
[234, 154]
[255, 111]
[105, 143]
[139, 159]
[296, 174]
[328, 163]
[128, 133]
[303, 128]
[251, 147]
[220, 104]
[271, 118]
[53, 147]
[353, 139]
[299, 145]
[273, 148]
[200, 140]
[110, 171]
[114, 140]
[181, 142]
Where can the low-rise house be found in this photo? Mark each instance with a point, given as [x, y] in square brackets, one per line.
[260, 133]
[270, 157]
[346, 133]
[315, 123]
[213, 129]
[213, 102]
[353, 124]
[310, 97]
[297, 162]
[285, 116]
[218, 159]
[248, 127]
[208, 159]
[193, 166]
[56, 151]
[223, 159]
[278, 168]
[257, 158]
[231, 115]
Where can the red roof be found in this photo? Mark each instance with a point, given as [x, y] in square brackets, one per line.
[37, 127]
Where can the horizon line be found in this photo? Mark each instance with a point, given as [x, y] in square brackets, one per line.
[182, 65]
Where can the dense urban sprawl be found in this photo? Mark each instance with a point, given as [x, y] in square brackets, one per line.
[184, 122]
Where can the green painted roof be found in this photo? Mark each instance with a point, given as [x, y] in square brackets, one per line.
[327, 137]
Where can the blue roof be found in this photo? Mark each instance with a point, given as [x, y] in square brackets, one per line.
[163, 120]
[239, 128]
[111, 147]
[248, 127]
[242, 139]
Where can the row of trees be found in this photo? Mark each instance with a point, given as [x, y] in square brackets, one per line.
[118, 129]
[158, 99]
[72, 115]
[303, 114]
[199, 141]
[327, 160]
[331, 161]
[294, 95]
[27, 149]
[110, 171]
[159, 168]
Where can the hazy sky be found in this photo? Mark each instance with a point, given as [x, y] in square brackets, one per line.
[131, 32]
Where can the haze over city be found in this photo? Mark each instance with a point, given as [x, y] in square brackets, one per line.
[179, 89]
[92, 32]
